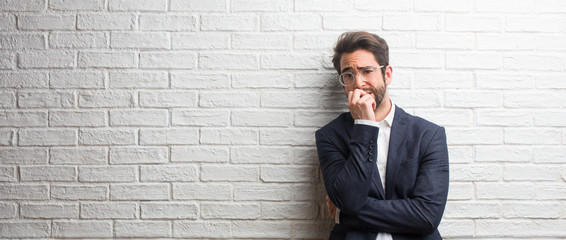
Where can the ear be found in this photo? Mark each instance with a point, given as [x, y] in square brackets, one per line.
[388, 75]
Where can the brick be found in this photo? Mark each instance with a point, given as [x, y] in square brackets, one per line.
[229, 23]
[460, 154]
[139, 192]
[151, 118]
[100, 59]
[25, 229]
[7, 174]
[437, 40]
[550, 62]
[22, 41]
[169, 136]
[108, 174]
[418, 22]
[290, 22]
[138, 5]
[265, 192]
[310, 80]
[24, 80]
[531, 173]
[260, 6]
[505, 191]
[290, 99]
[139, 40]
[473, 60]
[318, 41]
[7, 23]
[503, 154]
[229, 210]
[481, 136]
[550, 191]
[76, 80]
[542, 100]
[142, 229]
[313, 118]
[461, 191]
[77, 118]
[341, 22]
[168, 60]
[47, 22]
[82, 229]
[472, 210]
[46, 99]
[309, 192]
[261, 229]
[169, 22]
[201, 40]
[381, 5]
[511, 118]
[202, 191]
[473, 99]
[24, 192]
[475, 172]
[275, 210]
[48, 173]
[23, 156]
[204, 118]
[47, 137]
[47, 59]
[7, 60]
[170, 210]
[70, 5]
[232, 99]
[79, 192]
[169, 173]
[548, 81]
[25, 5]
[291, 61]
[532, 136]
[521, 6]
[549, 154]
[520, 228]
[109, 210]
[502, 80]
[305, 155]
[108, 136]
[79, 156]
[514, 41]
[261, 41]
[473, 23]
[228, 61]
[321, 5]
[23, 118]
[199, 154]
[7, 99]
[138, 79]
[314, 229]
[419, 59]
[138, 155]
[191, 80]
[289, 174]
[534, 24]
[198, 6]
[169, 99]
[444, 6]
[551, 42]
[335, 100]
[106, 21]
[260, 155]
[262, 118]
[7, 210]
[448, 117]
[425, 99]
[230, 173]
[456, 228]
[550, 119]
[229, 136]
[49, 210]
[211, 229]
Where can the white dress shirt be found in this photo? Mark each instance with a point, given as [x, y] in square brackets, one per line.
[382, 150]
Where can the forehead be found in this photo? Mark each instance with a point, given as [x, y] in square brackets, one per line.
[358, 58]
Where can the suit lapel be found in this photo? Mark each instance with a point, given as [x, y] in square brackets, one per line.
[395, 153]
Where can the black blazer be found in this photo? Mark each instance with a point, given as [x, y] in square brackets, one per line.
[416, 181]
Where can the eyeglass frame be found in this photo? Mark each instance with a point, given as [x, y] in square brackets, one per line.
[355, 73]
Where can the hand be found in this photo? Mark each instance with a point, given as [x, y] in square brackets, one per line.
[331, 207]
[361, 105]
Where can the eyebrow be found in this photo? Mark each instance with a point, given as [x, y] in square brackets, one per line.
[359, 68]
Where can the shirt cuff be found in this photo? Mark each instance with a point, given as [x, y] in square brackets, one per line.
[366, 122]
[337, 216]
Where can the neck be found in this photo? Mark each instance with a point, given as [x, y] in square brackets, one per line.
[383, 109]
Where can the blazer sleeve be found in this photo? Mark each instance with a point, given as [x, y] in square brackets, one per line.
[347, 178]
[421, 212]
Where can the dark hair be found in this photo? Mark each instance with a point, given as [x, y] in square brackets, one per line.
[349, 42]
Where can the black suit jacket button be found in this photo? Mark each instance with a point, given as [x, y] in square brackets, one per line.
[372, 147]
[370, 153]
[372, 140]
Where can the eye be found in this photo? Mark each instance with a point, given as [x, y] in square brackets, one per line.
[368, 71]
[349, 75]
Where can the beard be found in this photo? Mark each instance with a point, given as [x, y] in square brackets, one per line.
[378, 94]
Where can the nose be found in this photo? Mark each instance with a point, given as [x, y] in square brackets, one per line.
[359, 81]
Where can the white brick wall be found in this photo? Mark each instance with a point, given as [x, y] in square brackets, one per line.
[195, 119]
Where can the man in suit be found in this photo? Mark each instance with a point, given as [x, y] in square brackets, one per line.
[385, 171]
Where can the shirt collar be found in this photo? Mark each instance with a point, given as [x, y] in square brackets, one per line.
[388, 120]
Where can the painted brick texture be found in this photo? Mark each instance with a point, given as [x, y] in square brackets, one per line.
[195, 119]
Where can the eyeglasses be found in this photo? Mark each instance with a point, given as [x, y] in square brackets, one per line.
[367, 73]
